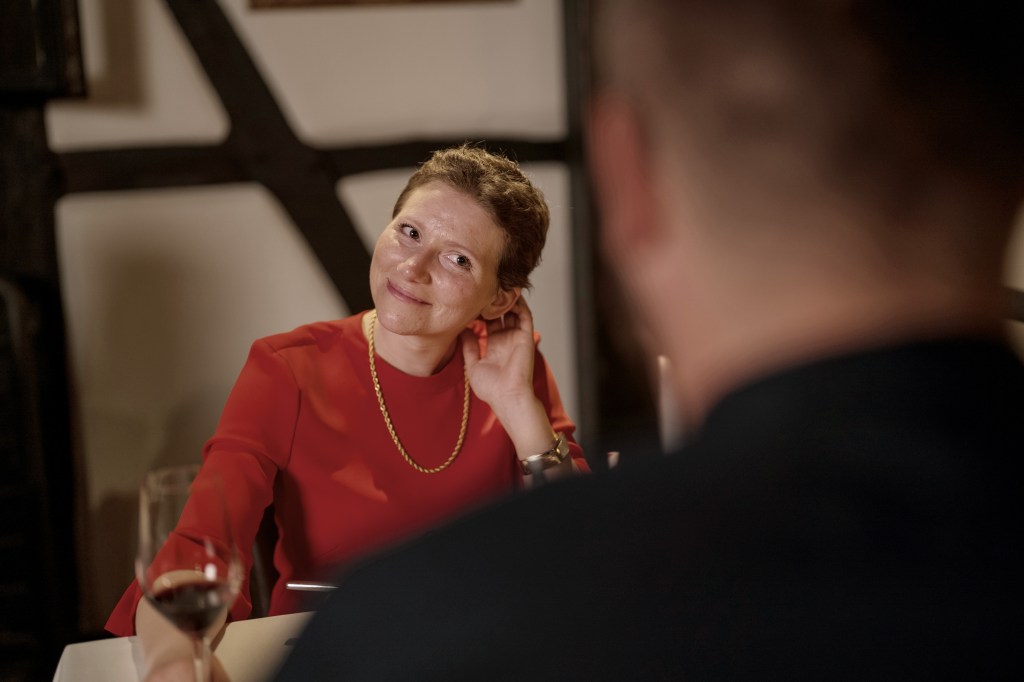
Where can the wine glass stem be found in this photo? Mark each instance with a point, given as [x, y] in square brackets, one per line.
[202, 658]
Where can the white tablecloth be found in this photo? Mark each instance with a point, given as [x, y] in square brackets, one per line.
[250, 651]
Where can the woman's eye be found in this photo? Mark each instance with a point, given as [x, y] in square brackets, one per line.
[410, 231]
[461, 261]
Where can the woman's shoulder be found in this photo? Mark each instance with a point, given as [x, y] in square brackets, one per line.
[319, 335]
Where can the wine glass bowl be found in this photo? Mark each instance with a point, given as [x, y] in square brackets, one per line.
[188, 566]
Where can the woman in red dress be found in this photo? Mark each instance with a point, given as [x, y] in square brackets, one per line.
[365, 431]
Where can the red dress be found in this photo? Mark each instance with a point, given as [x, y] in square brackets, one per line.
[302, 429]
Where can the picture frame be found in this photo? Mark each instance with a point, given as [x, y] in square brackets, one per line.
[282, 4]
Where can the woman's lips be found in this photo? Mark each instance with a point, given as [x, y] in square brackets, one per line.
[403, 295]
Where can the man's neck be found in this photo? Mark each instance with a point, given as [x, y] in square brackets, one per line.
[714, 357]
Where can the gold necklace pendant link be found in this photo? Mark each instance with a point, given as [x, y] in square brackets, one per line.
[387, 417]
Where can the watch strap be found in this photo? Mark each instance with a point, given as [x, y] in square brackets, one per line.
[555, 455]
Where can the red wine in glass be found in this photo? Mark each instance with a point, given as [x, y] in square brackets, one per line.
[187, 564]
[193, 607]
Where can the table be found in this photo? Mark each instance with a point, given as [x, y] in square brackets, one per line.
[250, 651]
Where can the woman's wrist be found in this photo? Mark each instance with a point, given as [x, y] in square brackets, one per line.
[527, 424]
[538, 447]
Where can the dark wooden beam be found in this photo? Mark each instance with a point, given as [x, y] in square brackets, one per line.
[263, 145]
[38, 496]
[108, 170]
[613, 371]
[584, 235]
[27, 240]
[104, 170]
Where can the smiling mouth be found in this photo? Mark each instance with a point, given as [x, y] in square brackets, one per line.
[403, 295]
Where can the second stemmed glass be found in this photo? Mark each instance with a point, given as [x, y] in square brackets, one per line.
[188, 565]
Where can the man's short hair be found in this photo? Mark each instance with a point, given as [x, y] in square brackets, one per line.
[875, 99]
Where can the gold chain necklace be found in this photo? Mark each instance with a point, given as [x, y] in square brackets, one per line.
[391, 427]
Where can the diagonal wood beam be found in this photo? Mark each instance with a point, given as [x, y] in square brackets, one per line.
[263, 146]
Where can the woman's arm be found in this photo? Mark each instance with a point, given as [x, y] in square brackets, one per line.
[503, 377]
[529, 427]
[247, 450]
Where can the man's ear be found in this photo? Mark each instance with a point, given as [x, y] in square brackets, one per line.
[620, 165]
[502, 303]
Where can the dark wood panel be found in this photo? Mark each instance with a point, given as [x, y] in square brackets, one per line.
[40, 55]
[37, 485]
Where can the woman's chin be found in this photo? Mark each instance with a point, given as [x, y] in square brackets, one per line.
[402, 322]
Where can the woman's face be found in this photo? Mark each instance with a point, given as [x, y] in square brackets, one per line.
[435, 266]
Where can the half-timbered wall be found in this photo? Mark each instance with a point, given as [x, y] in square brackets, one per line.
[226, 178]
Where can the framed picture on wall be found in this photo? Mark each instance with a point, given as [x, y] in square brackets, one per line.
[40, 50]
[265, 4]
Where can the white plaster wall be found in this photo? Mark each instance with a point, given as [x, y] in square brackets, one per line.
[362, 72]
[165, 289]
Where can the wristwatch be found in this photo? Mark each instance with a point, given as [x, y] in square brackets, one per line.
[536, 464]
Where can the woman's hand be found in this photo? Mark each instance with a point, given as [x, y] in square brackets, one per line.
[503, 379]
[167, 651]
[505, 373]
[184, 670]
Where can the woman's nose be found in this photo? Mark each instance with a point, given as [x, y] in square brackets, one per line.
[416, 267]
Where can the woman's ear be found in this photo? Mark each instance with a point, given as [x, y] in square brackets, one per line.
[502, 303]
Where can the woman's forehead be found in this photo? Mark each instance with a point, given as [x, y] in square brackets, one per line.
[453, 215]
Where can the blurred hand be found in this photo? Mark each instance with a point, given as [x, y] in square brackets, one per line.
[183, 670]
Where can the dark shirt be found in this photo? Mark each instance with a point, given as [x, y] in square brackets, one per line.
[858, 517]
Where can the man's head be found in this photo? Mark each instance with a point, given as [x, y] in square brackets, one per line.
[858, 96]
[780, 163]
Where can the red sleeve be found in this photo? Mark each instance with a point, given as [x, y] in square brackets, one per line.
[547, 391]
[122, 619]
[252, 442]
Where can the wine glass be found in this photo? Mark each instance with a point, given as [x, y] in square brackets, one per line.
[188, 565]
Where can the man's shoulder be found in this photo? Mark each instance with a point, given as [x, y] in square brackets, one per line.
[583, 521]
[552, 564]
